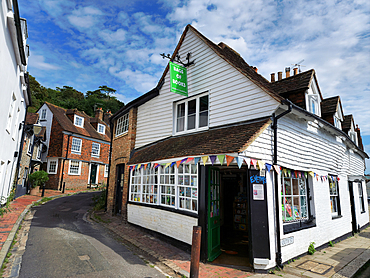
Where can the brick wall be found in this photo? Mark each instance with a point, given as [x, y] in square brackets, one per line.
[121, 149]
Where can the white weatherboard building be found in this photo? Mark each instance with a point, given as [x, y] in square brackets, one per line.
[14, 92]
[263, 167]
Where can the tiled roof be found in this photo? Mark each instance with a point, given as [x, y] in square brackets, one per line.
[229, 139]
[60, 115]
[31, 118]
[346, 125]
[233, 58]
[296, 82]
[329, 106]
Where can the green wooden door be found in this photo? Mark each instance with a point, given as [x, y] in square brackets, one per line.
[214, 246]
[93, 173]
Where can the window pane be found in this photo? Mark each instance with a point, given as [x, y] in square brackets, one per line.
[203, 104]
[191, 122]
[203, 119]
[181, 110]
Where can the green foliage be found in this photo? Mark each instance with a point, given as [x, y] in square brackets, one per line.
[311, 248]
[99, 200]
[331, 244]
[38, 178]
[69, 98]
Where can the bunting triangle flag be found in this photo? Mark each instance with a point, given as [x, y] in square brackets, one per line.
[260, 164]
[139, 166]
[229, 159]
[196, 160]
[277, 169]
[248, 161]
[289, 173]
[128, 168]
[239, 160]
[305, 175]
[156, 166]
[284, 172]
[149, 165]
[299, 174]
[254, 162]
[173, 163]
[204, 159]
[312, 174]
[268, 167]
[317, 177]
[167, 164]
[145, 165]
[221, 158]
[187, 160]
[178, 163]
[212, 158]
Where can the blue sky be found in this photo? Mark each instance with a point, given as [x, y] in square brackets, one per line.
[85, 44]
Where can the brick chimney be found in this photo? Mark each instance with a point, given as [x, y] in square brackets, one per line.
[295, 71]
[107, 115]
[99, 113]
[287, 72]
[280, 75]
[359, 138]
[272, 77]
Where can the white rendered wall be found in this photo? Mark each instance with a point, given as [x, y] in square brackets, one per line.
[175, 225]
[10, 83]
[47, 123]
[228, 91]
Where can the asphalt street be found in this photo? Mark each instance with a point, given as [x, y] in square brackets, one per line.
[62, 243]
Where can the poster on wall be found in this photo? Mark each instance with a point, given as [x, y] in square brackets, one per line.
[258, 192]
[178, 79]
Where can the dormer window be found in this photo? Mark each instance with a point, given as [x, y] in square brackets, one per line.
[43, 114]
[337, 122]
[101, 128]
[79, 121]
[313, 104]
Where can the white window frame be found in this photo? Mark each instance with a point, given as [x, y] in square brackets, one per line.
[334, 196]
[289, 211]
[165, 186]
[71, 162]
[102, 127]
[361, 197]
[74, 145]
[39, 151]
[43, 114]
[95, 153]
[11, 113]
[30, 143]
[186, 115]
[106, 170]
[122, 124]
[78, 121]
[56, 166]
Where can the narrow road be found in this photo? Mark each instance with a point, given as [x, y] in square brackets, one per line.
[62, 244]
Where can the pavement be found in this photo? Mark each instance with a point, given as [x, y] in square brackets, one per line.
[344, 259]
[10, 221]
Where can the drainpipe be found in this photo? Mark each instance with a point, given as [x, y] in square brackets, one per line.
[64, 160]
[277, 211]
[109, 163]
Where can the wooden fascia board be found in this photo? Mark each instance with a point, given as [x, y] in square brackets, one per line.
[316, 83]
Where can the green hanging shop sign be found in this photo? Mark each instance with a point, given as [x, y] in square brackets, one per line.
[179, 80]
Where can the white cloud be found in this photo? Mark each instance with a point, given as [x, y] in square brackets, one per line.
[38, 62]
[84, 17]
[140, 81]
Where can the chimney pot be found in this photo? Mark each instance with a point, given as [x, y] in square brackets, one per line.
[280, 75]
[255, 69]
[287, 72]
[295, 71]
[272, 77]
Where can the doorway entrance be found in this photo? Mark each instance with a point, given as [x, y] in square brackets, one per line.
[353, 209]
[93, 172]
[232, 221]
[120, 170]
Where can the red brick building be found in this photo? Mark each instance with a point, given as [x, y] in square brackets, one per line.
[78, 147]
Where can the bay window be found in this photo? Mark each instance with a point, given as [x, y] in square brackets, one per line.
[192, 114]
[169, 186]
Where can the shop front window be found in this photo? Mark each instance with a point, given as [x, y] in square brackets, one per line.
[294, 199]
[166, 186]
[334, 195]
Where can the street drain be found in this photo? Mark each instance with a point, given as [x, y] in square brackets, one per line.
[84, 258]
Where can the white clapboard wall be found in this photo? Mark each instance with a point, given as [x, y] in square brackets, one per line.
[232, 96]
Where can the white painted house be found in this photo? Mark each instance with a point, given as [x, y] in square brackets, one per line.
[210, 159]
[15, 96]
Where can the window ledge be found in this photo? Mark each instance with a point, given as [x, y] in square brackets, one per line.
[336, 217]
[191, 131]
[297, 226]
[120, 135]
[74, 174]
[75, 153]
